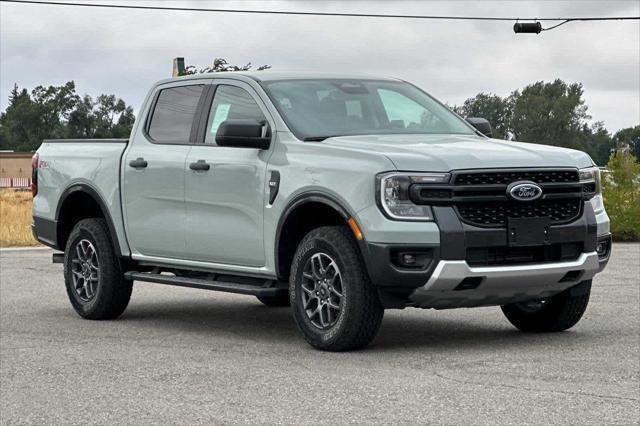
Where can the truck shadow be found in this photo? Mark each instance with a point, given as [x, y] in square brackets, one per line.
[400, 330]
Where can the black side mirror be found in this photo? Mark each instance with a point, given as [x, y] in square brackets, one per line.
[244, 134]
[481, 124]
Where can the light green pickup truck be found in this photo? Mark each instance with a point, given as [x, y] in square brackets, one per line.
[338, 195]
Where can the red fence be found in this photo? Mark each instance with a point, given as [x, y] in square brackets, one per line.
[22, 182]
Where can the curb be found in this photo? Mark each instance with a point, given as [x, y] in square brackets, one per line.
[34, 248]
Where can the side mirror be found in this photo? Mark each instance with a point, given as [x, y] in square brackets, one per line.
[481, 124]
[244, 134]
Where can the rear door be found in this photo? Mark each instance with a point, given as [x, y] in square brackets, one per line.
[225, 203]
[154, 172]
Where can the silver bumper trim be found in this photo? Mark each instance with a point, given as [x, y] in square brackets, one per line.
[501, 284]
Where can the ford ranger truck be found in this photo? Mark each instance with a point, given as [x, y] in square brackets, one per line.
[338, 195]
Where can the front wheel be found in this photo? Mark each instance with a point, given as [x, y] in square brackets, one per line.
[556, 313]
[334, 304]
[93, 274]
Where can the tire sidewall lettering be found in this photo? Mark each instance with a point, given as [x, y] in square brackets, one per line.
[309, 249]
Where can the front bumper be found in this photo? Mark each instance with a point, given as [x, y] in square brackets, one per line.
[453, 274]
[455, 284]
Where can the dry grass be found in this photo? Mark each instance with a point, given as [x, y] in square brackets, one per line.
[15, 219]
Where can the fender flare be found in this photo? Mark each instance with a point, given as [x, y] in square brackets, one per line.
[88, 190]
[297, 201]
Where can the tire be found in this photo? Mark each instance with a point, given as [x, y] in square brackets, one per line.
[275, 302]
[100, 293]
[557, 313]
[356, 320]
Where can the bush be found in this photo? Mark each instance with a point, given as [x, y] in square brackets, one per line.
[621, 191]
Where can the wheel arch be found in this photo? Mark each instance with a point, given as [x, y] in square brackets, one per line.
[317, 209]
[81, 201]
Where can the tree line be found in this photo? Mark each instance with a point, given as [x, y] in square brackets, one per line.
[59, 112]
[552, 113]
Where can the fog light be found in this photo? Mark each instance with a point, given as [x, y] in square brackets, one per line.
[602, 248]
[408, 259]
[412, 258]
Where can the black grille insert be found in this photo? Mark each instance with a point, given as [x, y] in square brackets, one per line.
[495, 214]
[480, 196]
[503, 255]
[507, 177]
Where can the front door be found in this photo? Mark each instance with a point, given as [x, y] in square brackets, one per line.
[154, 174]
[225, 202]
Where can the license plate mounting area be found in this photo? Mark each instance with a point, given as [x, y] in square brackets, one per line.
[526, 232]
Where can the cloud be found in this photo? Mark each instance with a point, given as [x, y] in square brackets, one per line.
[124, 52]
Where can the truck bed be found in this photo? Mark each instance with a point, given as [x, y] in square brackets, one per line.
[67, 164]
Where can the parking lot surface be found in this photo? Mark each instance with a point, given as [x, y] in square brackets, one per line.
[191, 356]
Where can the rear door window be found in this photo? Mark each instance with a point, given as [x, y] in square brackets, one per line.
[174, 112]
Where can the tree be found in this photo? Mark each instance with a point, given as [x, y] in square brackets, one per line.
[30, 118]
[58, 112]
[18, 121]
[123, 126]
[220, 65]
[82, 121]
[630, 136]
[597, 142]
[549, 113]
[106, 117]
[492, 107]
[53, 105]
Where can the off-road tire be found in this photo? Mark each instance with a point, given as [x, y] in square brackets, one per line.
[560, 312]
[275, 301]
[361, 312]
[113, 291]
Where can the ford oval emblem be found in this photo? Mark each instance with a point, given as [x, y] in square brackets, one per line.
[524, 191]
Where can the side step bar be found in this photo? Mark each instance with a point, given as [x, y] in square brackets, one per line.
[268, 288]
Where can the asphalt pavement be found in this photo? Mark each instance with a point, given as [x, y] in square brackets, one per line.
[187, 356]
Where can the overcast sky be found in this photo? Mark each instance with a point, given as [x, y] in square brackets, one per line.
[124, 51]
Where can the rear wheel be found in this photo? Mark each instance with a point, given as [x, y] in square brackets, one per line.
[556, 313]
[93, 273]
[334, 304]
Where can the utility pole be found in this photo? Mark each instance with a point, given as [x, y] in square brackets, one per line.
[178, 67]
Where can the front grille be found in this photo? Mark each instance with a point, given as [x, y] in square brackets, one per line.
[495, 214]
[480, 198]
[507, 177]
[490, 256]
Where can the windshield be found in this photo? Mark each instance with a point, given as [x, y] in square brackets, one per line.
[317, 109]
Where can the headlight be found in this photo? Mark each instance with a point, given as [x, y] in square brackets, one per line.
[394, 194]
[591, 174]
[591, 187]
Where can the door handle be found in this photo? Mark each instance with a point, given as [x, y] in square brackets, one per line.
[138, 163]
[200, 165]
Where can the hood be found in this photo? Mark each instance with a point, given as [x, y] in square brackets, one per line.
[442, 153]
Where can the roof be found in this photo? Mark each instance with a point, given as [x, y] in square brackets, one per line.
[277, 75]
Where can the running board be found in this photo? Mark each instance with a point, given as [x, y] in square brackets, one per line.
[269, 288]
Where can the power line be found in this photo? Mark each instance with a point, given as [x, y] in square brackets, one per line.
[334, 14]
